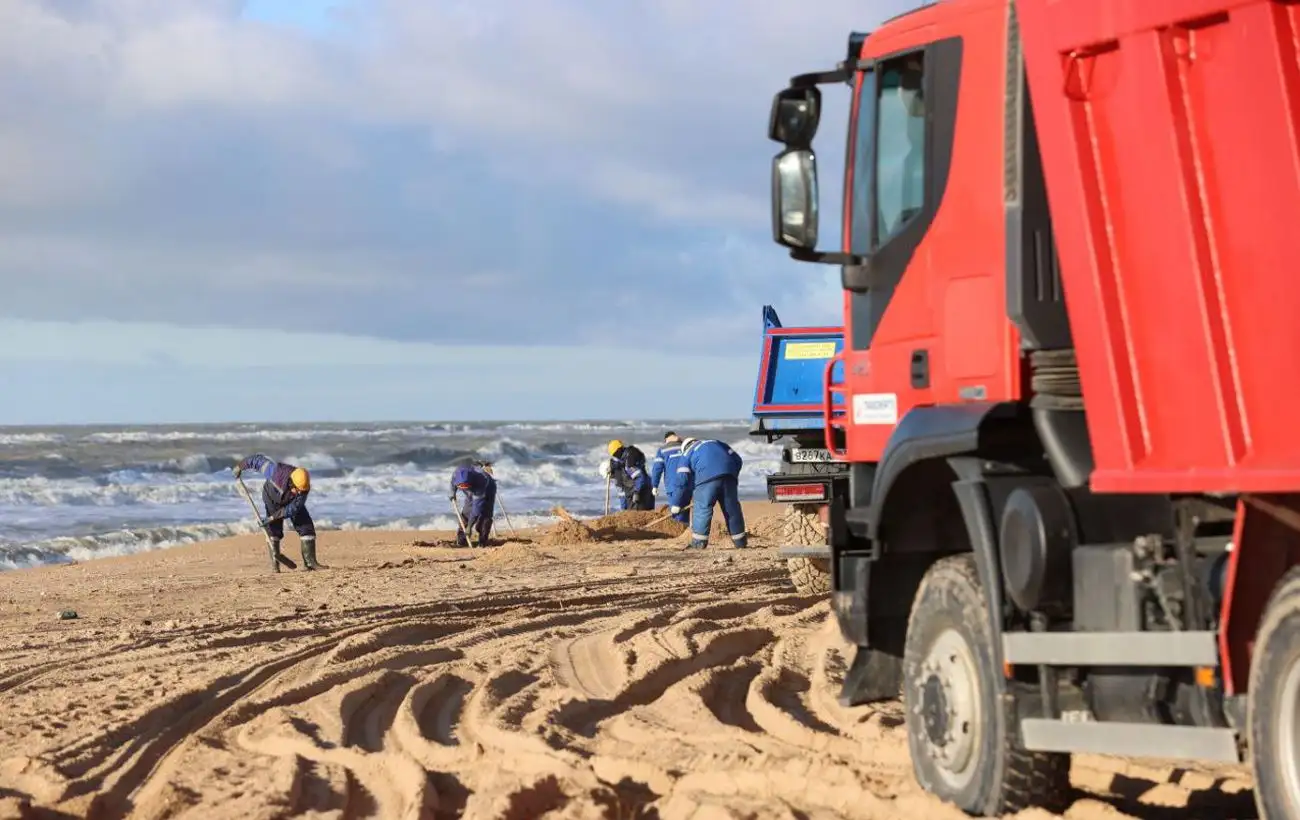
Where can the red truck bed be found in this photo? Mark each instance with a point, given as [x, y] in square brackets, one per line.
[1169, 140]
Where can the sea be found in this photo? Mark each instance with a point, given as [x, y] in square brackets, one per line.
[77, 493]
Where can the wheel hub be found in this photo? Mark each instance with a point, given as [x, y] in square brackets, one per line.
[935, 710]
[950, 707]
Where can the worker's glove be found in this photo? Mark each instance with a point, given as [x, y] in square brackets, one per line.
[604, 469]
[674, 510]
[237, 470]
[263, 522]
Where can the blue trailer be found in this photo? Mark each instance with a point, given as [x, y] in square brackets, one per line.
[795, 397]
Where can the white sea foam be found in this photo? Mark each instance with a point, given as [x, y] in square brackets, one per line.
[103, 493]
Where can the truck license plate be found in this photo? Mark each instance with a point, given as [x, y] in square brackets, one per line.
[806, 454]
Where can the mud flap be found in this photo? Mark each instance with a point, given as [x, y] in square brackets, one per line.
[873, 676]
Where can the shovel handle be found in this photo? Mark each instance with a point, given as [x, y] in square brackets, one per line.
[243, 490]
[507, 517]
[469, 537]
[668, 515]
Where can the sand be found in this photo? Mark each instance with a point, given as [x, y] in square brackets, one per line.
[611, 678]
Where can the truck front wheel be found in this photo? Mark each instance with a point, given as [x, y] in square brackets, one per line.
[800, 527]
[1274, 704]
[960, 731]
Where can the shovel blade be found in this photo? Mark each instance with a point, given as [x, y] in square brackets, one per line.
[278, 558]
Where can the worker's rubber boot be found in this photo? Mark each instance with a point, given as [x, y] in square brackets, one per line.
[273, 546]
[309, 553]
[740, 541]
[698, 542]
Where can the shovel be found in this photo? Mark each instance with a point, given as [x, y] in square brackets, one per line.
[669, 514]
[513, 534]
[469, 536]
[276, 558]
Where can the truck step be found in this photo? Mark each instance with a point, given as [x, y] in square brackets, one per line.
[804, 552]
[1130, 739]
[1111, 648]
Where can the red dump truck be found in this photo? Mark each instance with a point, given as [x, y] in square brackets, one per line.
[1072, 341]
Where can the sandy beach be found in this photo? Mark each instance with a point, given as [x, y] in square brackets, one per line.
[620, 677]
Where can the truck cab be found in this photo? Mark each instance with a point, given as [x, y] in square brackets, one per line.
[1072, 522]
[798, 368]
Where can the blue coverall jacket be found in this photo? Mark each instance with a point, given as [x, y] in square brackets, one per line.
[279, 496]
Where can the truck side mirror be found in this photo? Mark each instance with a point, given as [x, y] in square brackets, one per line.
[794, 199]
[796, 113]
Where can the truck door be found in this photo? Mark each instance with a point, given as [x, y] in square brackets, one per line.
[926, 317]
[889, 209]
[924, 222]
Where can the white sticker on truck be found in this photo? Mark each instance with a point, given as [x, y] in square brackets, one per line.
[875, 408]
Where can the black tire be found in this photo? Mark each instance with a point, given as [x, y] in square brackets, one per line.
[1272, 704]
[986, 774]
[800, 527]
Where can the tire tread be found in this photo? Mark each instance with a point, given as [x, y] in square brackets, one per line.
[1283, 604]
[800, 528]
[1030, 779]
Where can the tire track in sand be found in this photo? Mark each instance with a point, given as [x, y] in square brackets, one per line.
[689, 690]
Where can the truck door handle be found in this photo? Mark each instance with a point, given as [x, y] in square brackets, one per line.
[920, 369]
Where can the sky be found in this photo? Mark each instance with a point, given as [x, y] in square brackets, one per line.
[276, 210]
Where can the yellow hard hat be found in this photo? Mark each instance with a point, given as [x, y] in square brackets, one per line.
[300, 479]
[614, 446]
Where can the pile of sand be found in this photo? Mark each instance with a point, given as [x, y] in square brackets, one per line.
[637, 524]
[631, 525]
[568, 531]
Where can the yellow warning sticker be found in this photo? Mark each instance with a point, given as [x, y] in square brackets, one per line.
[809, 350]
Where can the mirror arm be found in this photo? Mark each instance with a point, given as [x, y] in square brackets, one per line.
[841, 73]
[826, 257]
[857, 274]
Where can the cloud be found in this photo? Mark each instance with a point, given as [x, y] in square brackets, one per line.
[434, 171]
[156, 373]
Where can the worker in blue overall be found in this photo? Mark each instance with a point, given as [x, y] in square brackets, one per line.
[664, 469]
[626, 467]
[711, 469]
[284, 494]
[480, 488]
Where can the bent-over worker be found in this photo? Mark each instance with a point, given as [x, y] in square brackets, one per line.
[626, 467]
[664, 468]
[284, 494]
[480, 489]
[712, 470]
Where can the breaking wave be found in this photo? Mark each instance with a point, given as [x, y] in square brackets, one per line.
[74, 494]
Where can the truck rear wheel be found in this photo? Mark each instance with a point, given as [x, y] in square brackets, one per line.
[800, 527]
[1274, 704]
[960, 733]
